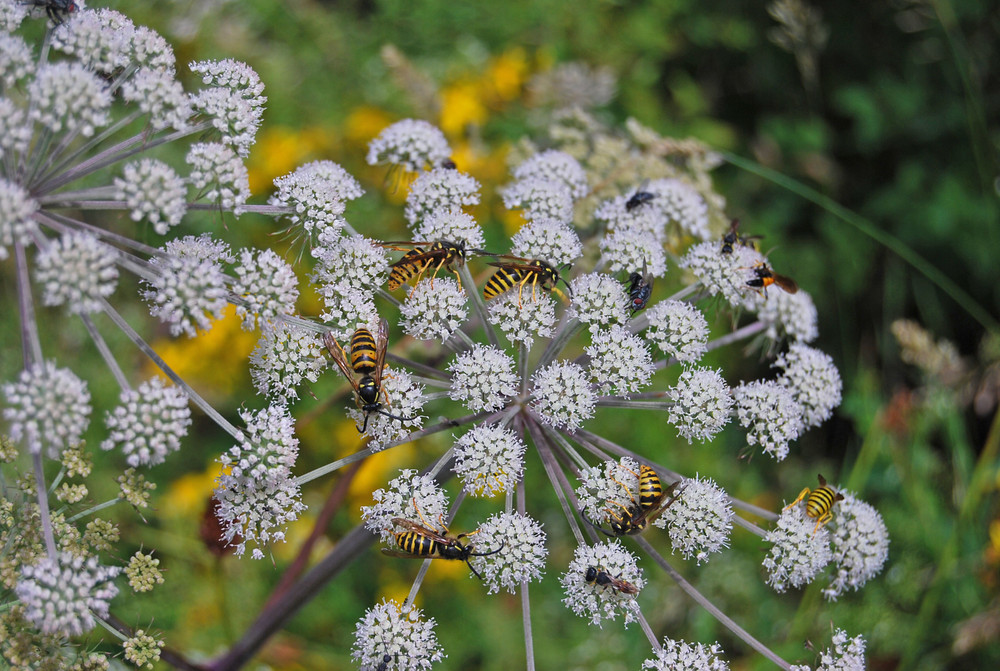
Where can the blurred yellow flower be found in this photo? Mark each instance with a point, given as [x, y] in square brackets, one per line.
[280, 149]
[506, 74]
[461, 106]
[214, 363]
[364, 123]
[189, 493]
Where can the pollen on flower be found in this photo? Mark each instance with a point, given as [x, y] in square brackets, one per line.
[678, 329]
[514, 549]
[489, 460]
[77, 271]
[552, 241]
[602, 602]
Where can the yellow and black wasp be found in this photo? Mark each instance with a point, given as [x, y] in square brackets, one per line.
[367, 359]
[819, 505]
[515, 271]
[765, 277]
[640, 289]
[633, 518]
[598, 576]
[732, 238]
[419, 541]
[422, 255]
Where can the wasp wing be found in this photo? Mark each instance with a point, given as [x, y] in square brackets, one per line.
[340, 358]
[381, 344]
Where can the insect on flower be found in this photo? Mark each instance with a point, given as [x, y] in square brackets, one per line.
[640, 289]
[732, 238]
[518, 271]
[765, 277]
[420, 541]
[819, 505]
[57, 10]
[638, 198]
[634, 518]
[422, 255]
[598, 576]
[367, 359]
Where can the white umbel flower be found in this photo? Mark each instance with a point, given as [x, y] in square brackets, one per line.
[16, 223]
[397, 637]
[489, 460]
[770, 413]
[553, 165]
[598, 300]
[267, 285]
[552, 241]
[48, 407]
[682, 205]
[813, 379]
[702, 402]
[847, 654]
[620, 362]
[683, 656]
[158, 94]
[615, 217]
[608, 488]
[521, 324]
[699, 520]
[630, 250]
[189, 288]
[411, 144]
[791, 315]
[16, 60]
[563, 395]
[860, 544]
[482, 378]
[452, 225]
[286, 356]
[406, 400]
[539, 199]
[440, 190]
[317, 192]
[153, 192]
[67, 97]
[678, 329]
[602, 602]
[62, 595]
[100, 39]
[77, 271]
[517, 546]
[149, 424]
[219, 175]
[435, 309]
[725, 274]
[411, 496]
[797, 555]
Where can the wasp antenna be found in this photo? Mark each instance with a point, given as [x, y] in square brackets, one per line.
[591, 522]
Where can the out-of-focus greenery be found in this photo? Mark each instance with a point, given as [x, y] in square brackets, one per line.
[888, 109]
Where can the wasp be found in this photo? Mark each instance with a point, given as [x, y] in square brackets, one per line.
[634, 518]
[640, 289]
[819, 505]
[422, 255]
[765, 277]
[517, 271]
[732, 238]
[57, 10]
[419, 541]
[598, 576]
[367, 359]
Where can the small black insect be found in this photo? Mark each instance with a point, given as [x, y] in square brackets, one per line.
[57, 10]
[638, 198]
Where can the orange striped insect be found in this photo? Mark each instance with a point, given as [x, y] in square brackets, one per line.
[598, 576]
[634, 518]
[765, 277]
